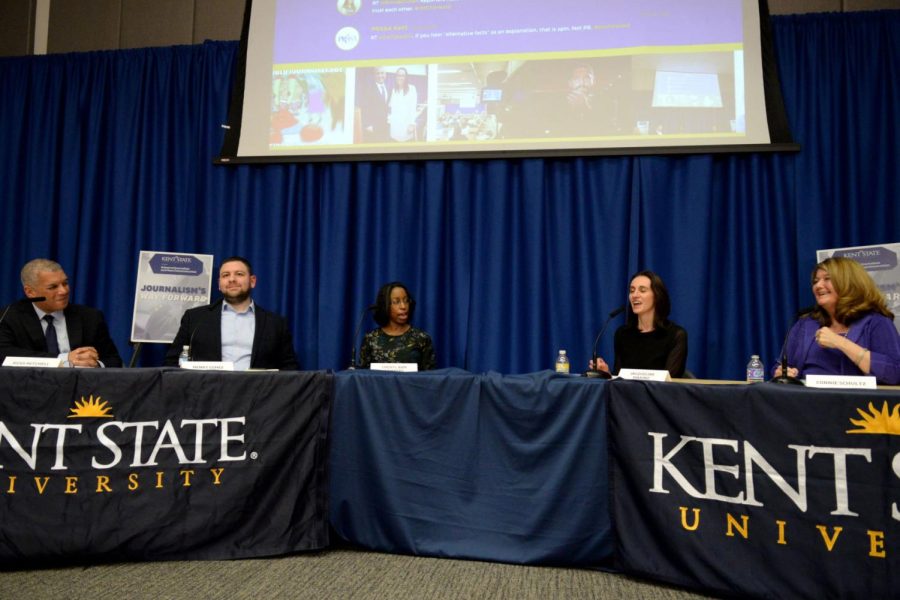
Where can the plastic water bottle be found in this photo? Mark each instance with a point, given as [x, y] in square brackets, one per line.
[562, 362]
[185, 356]
[756, 372]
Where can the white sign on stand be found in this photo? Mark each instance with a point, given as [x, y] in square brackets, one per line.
[168, 283]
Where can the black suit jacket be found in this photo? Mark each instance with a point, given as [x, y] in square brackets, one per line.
[21, 333]
[273, 347]
[373, 109]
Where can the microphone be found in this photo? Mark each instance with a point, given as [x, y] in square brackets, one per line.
[784, 378]
[33, 299]
[362, 316]
[593, 372]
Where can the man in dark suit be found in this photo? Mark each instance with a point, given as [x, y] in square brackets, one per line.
[52, 327]
[235, 329]
[372, 99]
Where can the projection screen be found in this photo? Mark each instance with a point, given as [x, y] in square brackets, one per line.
[389, 79]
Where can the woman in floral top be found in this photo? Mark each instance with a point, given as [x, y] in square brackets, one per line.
[396, 341]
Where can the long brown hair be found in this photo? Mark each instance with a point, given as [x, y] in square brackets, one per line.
[856, 291]
[405, 88]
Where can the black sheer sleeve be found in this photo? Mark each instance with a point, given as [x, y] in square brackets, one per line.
[677, 360]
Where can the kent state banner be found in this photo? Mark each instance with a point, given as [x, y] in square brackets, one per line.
[151, 464]
[762, 490]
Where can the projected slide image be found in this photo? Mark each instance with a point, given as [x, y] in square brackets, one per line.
[394, 29]
[457, 125]
[695, 90]
[566, 98]
[686, 94]
[307, 108]
[469, 95]
[390, 104]
[372, 78]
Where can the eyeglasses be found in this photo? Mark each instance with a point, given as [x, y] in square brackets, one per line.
[399, 301]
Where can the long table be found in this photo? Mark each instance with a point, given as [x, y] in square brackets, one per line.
[761, 490]
[150, 464]
[508, 468]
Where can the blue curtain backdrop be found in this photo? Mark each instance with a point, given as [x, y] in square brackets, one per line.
[104, 154]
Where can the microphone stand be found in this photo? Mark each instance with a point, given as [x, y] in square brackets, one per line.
[190, 343]
[137, 352]
[784, 378]
[362, 317]
[33, 299]
[594, 372]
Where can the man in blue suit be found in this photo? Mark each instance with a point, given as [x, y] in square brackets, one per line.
[235, 329]
[52, 327]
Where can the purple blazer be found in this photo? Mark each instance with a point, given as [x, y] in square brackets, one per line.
[873, 332]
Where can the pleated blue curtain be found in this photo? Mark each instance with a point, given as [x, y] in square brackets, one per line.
[104, 154]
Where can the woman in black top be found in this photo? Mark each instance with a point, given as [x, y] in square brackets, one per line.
[396, 341]
[648, 340]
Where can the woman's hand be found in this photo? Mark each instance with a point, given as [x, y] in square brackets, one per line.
[600, 366]
[826, 338]
[860, 356]
[792, 372]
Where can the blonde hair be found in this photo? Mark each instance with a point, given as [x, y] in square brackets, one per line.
[856, 291]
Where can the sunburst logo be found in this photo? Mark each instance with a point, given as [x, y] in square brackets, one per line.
[878, 421]
[92, 407]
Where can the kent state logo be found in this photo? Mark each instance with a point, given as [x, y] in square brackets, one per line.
[878, 422]
[125, 456]
[671, 471]
[91, 408]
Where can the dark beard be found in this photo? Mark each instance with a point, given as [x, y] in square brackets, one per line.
[237, 299]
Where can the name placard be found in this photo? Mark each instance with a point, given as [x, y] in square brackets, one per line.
[32, 361]
[396, 367]
[846, 382]
[208, 365]
[645, 374]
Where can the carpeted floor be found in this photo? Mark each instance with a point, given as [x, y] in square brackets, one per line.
[343, 573]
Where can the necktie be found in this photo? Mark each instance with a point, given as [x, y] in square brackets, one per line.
[383, 92]
[52, 343]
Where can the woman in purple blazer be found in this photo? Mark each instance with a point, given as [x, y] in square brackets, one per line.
[850, 332]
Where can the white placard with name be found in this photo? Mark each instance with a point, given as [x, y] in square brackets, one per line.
[208, 365]
[32, 361]
[645, 374]
[396, 367]
[844, 382]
